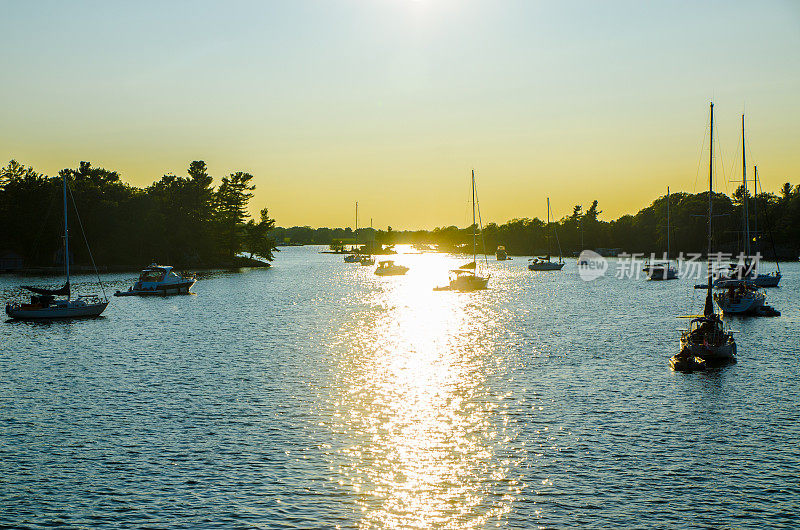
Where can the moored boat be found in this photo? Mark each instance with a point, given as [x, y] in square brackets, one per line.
[706, 343]
[159, 280]
[44, 304]
[390, 268]
[543, 263]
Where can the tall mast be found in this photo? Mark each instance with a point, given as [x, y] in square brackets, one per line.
[547, 232]
[755, 205]
[710, 203]
[745, 216]
[474, 251]
[667, 223]
[356, 216]
[66, 234]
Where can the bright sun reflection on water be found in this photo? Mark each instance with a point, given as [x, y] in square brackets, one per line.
[422, 437]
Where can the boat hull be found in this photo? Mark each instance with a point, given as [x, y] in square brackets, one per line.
[547, 266]
[160, 290]
[661, 273]
[469, 283]
[740, 305]
[51, 313]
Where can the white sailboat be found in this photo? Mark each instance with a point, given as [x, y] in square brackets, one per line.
[45, 305]
[739, 295]
[543, 263]
[706, 344]
[662, 270]
[468, 278]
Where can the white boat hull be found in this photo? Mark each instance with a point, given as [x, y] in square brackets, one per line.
[737, 305]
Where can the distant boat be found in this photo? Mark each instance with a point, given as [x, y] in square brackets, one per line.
[738, 295]
[468, 279]
[501, 253]
[45, 305]
[159, 280]
[367, 261]
[748, 271]
[662, 270]
[389, 268]
[544, 263]
[706, 343]
[352, 258]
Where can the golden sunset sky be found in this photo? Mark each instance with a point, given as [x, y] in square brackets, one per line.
[391, 103]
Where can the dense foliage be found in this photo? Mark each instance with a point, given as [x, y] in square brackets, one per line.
[182, 221]
[777, 218]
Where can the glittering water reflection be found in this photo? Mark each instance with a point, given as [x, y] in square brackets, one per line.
[424, 441]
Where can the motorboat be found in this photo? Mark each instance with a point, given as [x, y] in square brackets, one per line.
[501, 253]
[390, 268]
[159, 280]
[367, 261]
[352, 258]
[44, 305]
[543, 263]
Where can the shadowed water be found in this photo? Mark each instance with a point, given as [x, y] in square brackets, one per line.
[316, 394]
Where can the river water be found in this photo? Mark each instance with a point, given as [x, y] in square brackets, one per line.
[318, 395]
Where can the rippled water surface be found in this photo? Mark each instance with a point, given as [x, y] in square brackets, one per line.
[316, 394]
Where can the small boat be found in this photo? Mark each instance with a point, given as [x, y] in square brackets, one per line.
[44, 304]
[352, 258]
[543, 263]
[367, 261]
[662, 270]
[390, 268]
[467, 278]
[501, 253]
[706, 343]
[159, 280]
[739, 298]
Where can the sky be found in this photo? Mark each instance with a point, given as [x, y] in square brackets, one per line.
[392, 103]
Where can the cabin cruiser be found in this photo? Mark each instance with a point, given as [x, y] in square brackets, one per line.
[352, 258]
[159, 280]
[389, 268]
[367, 261]
[501, 253]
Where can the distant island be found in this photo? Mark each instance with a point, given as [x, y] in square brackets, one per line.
[777, 217]
[181, 221]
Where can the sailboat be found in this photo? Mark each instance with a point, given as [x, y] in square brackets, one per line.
[353, 257]
[706, 344]
[45, 305]
[662, 270]
[544, 263]
[467, 277]
[738, 294]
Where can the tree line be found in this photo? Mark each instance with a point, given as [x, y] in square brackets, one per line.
[178, 220]
[777, 216]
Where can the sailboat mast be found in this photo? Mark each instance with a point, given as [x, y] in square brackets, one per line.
[547, 232]
[745, 216]
[710, 191]
[667, 222]
[474, 242]
[66, 234]
[755, 206]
